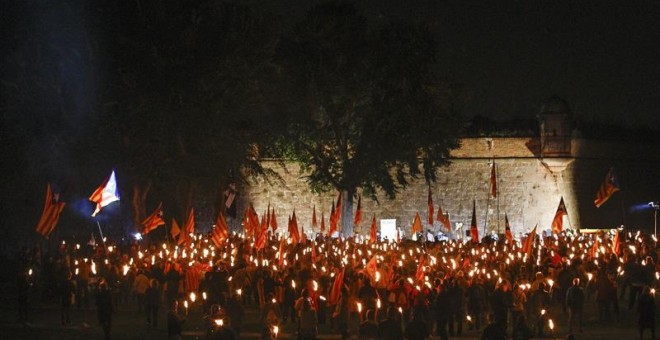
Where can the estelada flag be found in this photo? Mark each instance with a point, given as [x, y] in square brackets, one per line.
[609, 186]
[558, 221]
[358, 212]
[262, 234]
[105, 194]
[417, 224]
[529, 241]
[507, 230]
[51, 214]
[493, 180]
[221, 231]
[443, 219]
[188, 227]
[154, 220]
[372, 233]
[430, 205]
[474, 232]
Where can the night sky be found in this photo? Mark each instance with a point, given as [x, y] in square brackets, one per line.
[601, 56]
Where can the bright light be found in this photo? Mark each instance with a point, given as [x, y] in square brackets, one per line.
[137, 236]
[219, 322]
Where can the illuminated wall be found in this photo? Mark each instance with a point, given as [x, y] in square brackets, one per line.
[529, 192]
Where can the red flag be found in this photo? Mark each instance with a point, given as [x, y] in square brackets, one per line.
[220, 232]
[314, 222]
[430, 205]
[262, 234]
[313, 252]
[594, 247]
[51, 214]
[281, 252]
[333, 220]
[474, 232]
[609, 186]
[253, 220]
[322, 222]
[529, 242]
[558, 221]
[372, 234]
[335, 290]
[175, 230]
[419, 275]
[493, 180]
[417, 224]
[371, 267]
[293, 229]
[105, 194]
[273, 220]
[154, 220]
[358, 212]
[507, 230]
[443, 219]
[616, 243]
[338, 208]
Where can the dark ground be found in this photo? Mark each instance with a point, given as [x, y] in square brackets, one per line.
[129, 324]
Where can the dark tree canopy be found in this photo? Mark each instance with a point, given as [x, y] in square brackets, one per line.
[364, 107]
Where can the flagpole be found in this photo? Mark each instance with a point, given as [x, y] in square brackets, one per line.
[487, 208]
[101, 232]
[498, 196]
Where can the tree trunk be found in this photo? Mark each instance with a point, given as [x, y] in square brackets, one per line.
[347, 213]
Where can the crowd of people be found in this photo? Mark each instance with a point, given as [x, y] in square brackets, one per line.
[369, 290]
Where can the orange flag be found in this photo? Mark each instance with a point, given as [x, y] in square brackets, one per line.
[372, 234]
[221, 231]
[430, 204]
[474, 232]
[558, 221]
[417, 224]
[371, 267]
[493, 180]
[51, 214]
[529, 242]
[175, 230]
[154, 220]
[358, 212]
[281, 252]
